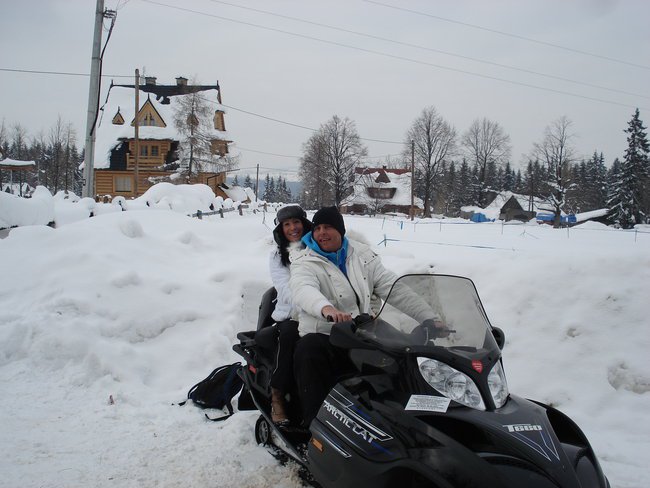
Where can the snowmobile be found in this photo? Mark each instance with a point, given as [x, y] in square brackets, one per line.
[426, 407]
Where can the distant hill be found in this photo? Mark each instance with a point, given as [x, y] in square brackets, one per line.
[294, 186]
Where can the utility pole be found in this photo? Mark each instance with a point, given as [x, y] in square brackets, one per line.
[257, 180]
[136, 124]
[93, 98]
[412, 179]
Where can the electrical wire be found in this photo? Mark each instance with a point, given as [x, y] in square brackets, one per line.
[515, 36]
[393, 56]
[63, 73]
[430, 49]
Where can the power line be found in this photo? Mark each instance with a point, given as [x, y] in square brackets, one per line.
[426, 48]
[64, 73]
[266, 117]
[268, 153]
[393, 56]
[508, 34]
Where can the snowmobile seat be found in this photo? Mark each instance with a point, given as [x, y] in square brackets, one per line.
[266, 335]
[267, 305]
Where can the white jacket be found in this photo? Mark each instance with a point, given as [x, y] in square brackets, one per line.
[316, 282]
[280, 278]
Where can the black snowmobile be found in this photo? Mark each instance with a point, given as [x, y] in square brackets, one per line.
[428, 407]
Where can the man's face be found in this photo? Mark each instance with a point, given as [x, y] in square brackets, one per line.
[327, 237]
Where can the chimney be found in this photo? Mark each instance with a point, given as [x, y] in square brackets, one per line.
[150, 80]
[180, 81]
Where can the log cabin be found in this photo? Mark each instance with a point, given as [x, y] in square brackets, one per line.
[182, 138]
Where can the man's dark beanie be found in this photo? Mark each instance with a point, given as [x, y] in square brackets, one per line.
[330, 216]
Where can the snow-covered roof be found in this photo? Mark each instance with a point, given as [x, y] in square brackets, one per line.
[122, 98]
[592, 214]
[16, 163]
[400, 179]
[493, 209]
[239, 193]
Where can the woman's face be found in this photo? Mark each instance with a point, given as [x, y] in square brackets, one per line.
[292, 229]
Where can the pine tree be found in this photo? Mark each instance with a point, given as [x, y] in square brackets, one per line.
[266, 196]
[235, 181]
[596, 182]
[508, 178]
[248, 183]
[463, 185]
[629, 199]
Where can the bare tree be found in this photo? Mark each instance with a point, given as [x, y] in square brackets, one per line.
[435, 142]
[191, 117]
[557, 153]
[315, 191]
[331, 155]
[486, 143]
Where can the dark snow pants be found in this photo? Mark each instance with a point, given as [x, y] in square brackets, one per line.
[317, 366]
[282, 377]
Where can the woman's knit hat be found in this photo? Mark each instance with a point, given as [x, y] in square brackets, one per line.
[285, 213]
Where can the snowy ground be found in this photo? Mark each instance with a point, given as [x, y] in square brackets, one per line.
[137, 306]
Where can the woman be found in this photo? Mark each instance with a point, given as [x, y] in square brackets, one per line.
[292, 224]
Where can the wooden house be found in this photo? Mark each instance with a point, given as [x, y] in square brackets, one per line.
[381, 190]
[512, 210]
[165, 115]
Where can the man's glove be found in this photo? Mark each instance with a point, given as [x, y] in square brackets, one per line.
[431, 329]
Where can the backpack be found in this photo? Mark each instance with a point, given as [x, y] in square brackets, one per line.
[217, 390]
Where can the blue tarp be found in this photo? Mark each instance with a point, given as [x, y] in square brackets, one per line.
[479, 217]
[549, 217]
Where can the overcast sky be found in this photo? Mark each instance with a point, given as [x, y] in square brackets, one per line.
[302, 61]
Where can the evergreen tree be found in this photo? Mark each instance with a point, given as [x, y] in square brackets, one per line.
[248, 182]
[519, 182]
[463, 185]
[630, 201]
[508, 178]
[235, 181]
[452, 206]
[266, 196]
[596, 182]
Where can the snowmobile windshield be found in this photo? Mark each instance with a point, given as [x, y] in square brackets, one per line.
[432, 311]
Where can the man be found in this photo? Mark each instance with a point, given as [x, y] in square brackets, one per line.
[332, 278]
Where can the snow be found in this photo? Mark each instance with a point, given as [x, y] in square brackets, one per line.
[107, 321]
[16, 163]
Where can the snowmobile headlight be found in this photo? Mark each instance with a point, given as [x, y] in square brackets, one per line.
[498, 385]
[451, 383]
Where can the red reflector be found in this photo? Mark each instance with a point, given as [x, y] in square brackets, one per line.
[252, 369]
[477, 365]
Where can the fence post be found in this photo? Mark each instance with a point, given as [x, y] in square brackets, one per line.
[383, 222]
[221, 212]
[401, 225]
[385, 243]
[199, 214]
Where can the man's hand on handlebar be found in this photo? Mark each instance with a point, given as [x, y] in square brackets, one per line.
[333, 315]
[432, 329]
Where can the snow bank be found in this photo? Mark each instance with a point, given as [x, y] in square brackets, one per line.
[108, 321]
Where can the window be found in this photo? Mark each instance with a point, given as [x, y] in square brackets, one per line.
[148, 120]
[123, 183]
[154, 150]
[219, 147]
[144, 150]
[383, 193]
[219, 122]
